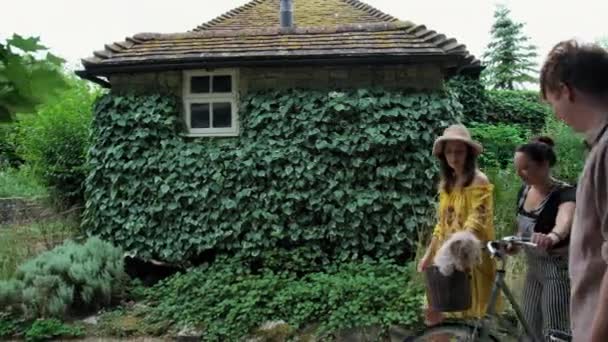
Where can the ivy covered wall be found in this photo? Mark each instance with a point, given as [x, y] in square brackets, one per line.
[315, 176]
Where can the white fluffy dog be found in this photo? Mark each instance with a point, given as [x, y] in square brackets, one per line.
[462, 251]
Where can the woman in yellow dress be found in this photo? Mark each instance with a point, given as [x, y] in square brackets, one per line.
[465, 203]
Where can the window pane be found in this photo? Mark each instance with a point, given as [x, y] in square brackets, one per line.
[222, 114]
[199, 115]
[199, 84]
[222, 84]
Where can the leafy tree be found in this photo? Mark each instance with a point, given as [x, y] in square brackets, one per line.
[27, 77]
[509, 57]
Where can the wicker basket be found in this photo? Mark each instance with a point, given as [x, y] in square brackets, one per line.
[448, 294]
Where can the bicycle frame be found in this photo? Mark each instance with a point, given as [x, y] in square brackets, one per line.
[501, 286]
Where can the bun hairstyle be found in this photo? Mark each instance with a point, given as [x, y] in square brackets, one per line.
[540, 150]
[544, 140]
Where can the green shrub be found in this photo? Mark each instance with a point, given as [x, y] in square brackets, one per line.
[55, 141]
[499, 143]
[570, 150]
[329, 175]
[70, 277]
[49, 329]
[229, 301]
[8, 147]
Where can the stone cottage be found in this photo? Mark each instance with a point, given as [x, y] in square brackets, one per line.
[295, 130]
[318, 44]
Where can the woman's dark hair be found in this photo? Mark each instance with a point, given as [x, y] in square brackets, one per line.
[540, 150]
[448, 176]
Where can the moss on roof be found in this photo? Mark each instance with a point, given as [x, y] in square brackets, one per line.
[265, 13]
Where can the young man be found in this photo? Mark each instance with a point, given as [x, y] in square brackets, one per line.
[574, 80]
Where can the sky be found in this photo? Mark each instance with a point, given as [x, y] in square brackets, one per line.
[74, 29]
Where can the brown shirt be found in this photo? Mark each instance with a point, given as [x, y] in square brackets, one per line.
[589, 236]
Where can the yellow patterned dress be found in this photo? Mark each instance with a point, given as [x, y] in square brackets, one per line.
[470, 208]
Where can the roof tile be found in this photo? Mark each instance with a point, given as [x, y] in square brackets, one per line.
[323, 28]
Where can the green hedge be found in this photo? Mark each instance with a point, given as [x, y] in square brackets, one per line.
[499, 143]
[517, 107]
[499, 106]
[325, 176]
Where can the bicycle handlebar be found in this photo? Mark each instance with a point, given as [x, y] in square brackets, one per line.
[496, 247]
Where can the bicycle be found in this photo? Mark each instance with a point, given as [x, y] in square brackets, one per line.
[479, 329]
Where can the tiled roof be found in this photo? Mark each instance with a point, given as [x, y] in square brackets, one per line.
[324, 29]
[307, 13]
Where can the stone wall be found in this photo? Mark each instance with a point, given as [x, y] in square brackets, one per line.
[162, 82]
[387, 76]
[20, 210]
[322, 77]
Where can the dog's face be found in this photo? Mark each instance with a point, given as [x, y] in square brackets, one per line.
[465, 252]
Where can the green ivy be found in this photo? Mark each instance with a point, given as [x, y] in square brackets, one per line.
[333, 175]
[472, 95]
[228, 301]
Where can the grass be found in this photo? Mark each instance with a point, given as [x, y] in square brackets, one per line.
[506, 186]
[20, 183]
[19, 243]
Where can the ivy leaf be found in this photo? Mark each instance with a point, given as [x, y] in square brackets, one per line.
[164, 189]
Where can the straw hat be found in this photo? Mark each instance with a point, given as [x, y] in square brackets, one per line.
[456, 133]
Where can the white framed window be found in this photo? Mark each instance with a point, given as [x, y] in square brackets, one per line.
[210, 102]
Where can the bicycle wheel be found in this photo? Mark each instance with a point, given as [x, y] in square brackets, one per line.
[449, 332]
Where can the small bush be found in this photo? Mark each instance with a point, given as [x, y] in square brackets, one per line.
[499, 143]
[47, 329]
[71, 277]
[229, 301]
[55, 141]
